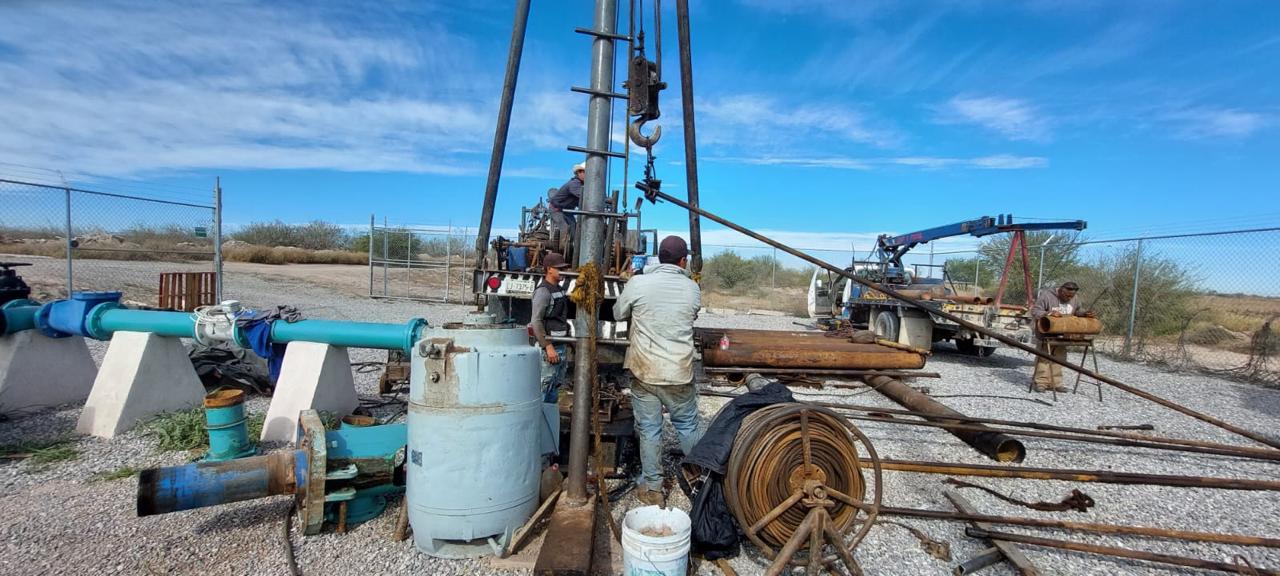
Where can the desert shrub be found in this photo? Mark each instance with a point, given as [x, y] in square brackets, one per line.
[315, 235]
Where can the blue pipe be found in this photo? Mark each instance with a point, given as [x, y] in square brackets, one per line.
[227, 426]
[163, 490]
[17, 318]
[109, 318]
[350, 334]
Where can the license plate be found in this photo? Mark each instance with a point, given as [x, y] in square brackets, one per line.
[519, 286]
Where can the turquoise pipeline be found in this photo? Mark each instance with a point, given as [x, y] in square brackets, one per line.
[99, 315]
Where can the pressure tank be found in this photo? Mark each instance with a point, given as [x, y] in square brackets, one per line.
[474, 420]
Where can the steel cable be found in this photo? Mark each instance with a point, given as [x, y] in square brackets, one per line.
[780, 454]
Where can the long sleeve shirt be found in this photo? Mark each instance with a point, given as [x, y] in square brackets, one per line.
[568, 196]
[662, 304]
[1047, 301]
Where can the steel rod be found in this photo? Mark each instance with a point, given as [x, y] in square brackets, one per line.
[590, 249]
[1244, 451]
[514, 53]
[817, 372]
[690, 134]
[1011, 552]
[1119, 552]
[1100, 476]
[1094, 527]
[1263, 439]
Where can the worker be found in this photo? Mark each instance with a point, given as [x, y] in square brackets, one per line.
[567, 197]
[1054, 303]
[551, 318]
[661, 304]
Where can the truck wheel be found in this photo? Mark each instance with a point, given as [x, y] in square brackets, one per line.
[887, 325]
[985, 351]
[966, 346]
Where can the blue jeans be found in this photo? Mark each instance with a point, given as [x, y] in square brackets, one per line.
[553, 374]
[647, 402]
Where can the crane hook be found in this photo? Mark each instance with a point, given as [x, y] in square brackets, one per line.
[640, 139]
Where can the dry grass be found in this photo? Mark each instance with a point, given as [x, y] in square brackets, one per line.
[290, 255]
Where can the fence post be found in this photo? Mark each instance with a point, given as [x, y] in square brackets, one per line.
[408, 267]
[773, 270]
[69, 242]
[217, 238]
[385, 231]
[976, 263]
[448, 259]
[1133, 301]
[371, 255]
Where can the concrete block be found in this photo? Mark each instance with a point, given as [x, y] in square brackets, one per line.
[313, 376]
[38, 371]
[142, 375]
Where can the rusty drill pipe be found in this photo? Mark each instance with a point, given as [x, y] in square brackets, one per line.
[1118, 552]
[974, 327]
[1068, 325]
[1094, 527]
[1100, 476]
[960, 299]
[957, 427]
[798, 349]
[1215, 447]
[995, 445]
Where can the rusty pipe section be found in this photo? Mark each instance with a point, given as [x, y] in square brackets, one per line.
[995, 445]
[164, 490]
[798, 349]
[1068, 325]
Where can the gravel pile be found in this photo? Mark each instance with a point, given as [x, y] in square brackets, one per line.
[62, 520]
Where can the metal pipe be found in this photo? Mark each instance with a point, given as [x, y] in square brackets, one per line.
[350, 334]
[17, 318]
[690, 134]
[69, 243]
[591, 246]
[217, 238]
[107, 319]
[1010, 550]
[995, 445]
[1133, 300]
[979, 561]
[1100, 476]
[164, 490]
[1119, 552]
[1155, 442]
[818, 372]
[976, 328]
[1094, 527]
[514, 53]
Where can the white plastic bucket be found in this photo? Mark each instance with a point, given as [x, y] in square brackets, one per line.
[644, 555]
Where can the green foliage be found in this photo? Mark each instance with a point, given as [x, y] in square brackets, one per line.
[1166, 293]
[117, 474]
[315, 235]
[185, 430]
[731, 272]
[41, 453]
[1061, 261]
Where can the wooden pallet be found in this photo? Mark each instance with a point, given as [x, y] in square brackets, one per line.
[185, 291]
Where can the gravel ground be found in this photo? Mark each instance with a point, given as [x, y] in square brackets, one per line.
[62, 520]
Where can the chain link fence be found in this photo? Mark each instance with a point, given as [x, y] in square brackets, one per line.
[425, 263]
[78, 239]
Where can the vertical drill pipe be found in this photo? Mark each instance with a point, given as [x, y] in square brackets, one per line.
[500, 131]
[1118, 552]
[976, 328]
[995, 445]
[591, 244]
[690, 134]
[1093, 527]
[1100, 476]
[164, 490]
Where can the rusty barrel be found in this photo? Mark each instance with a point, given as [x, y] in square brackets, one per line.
[1051, 325]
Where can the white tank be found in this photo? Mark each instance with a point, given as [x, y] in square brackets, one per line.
[475, 421]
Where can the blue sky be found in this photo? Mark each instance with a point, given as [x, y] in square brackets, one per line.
[825, 122]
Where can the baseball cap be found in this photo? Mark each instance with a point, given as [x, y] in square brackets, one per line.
[554, 260]
[672, 249]
[1070, 286]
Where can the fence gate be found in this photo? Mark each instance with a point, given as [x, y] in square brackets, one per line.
[425, 263]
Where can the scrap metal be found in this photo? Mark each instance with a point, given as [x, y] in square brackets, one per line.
[1119, 552]
[1102, 476]
[992, 443]
[1078, 501]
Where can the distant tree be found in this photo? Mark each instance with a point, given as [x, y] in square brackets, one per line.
[1061, 261]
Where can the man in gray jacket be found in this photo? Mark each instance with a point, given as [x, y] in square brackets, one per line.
[1060, 302]
[662, 304]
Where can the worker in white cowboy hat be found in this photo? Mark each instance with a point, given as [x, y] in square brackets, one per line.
[567, 197]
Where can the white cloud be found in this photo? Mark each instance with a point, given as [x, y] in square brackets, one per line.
[123, 88]
[1012, 118]
[995, 162]
[754, 120]
[1204, 123]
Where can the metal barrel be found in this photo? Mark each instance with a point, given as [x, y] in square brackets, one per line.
[997, 446]
[228, 428]
[15, 319]
[164, 490]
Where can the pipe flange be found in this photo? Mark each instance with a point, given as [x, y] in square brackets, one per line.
[42, 322]
[93, 322]
[19, 302]
[413, 331]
